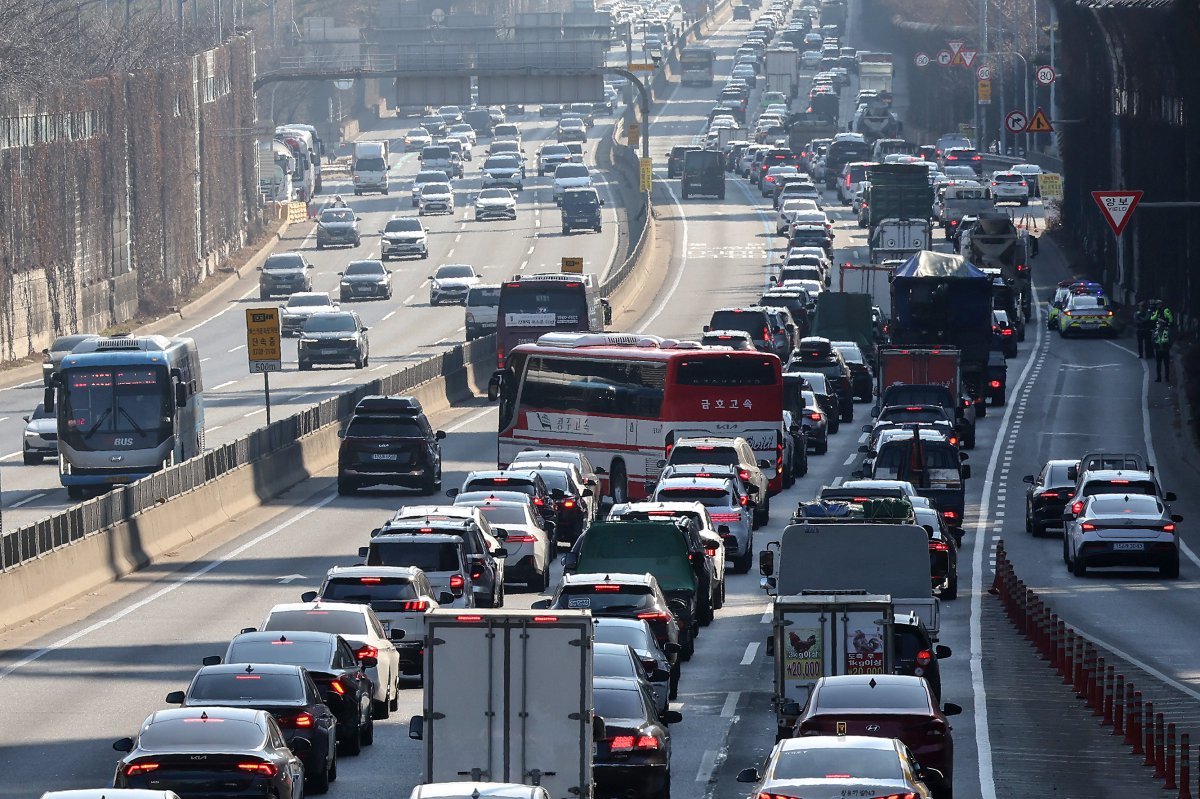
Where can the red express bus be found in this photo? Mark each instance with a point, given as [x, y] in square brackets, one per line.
[624, 399]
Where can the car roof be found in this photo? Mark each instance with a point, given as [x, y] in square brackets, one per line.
[693, 482]
[1116, 474]
[292, 635]
[394, 572]
[232, 713]
[424, 538]
[615, 684]
[837, 742]
[619, 578]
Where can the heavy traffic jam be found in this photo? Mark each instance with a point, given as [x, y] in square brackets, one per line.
[535, 629]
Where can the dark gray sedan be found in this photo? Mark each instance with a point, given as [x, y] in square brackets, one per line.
[365, 280]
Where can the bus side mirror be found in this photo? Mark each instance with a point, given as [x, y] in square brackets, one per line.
[48, 396]
[766, 563]
[494, 385]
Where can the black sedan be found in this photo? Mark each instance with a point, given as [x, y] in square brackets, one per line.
[338, 226]
[365, 280]
[211, 752]
[331, 663]
[660, 662]
[634, 759]
[862, 379]
[288, 694]
[1048, 493]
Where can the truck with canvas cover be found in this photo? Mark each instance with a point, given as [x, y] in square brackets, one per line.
[889, 556]
[941, 300]
[508, 698]
[846, 316]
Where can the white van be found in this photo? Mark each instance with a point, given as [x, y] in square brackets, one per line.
[369, 169]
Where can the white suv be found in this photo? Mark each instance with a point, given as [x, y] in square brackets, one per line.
[729, 452]
[570, 176]
[1010, 186]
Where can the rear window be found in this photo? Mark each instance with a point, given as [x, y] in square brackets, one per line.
[313, 655]
[366, 590]
[1002, 178]
[751, 322]
[618, 704]
[478, 297]
[724, 456]
[431, 556]
[504, 514]
[621, 634]
[726, 371]
[910, 697]
[342, 622]
[215, 733]
[828, 763]
[383, 427]
[1126, 505]
[709, 497]
[612, 665]
[606, 597]
[906, 416]
[501, 483]
[370, 165]
[1118, 487]
[1057, 476]
[245, 687]
[571, 170]
[435, 153]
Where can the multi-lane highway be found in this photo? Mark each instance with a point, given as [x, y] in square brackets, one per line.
[403, 330]
[88, 674]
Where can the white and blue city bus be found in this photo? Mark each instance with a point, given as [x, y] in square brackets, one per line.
[127, 406]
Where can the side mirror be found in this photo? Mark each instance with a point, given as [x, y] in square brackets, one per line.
[766, 562]
[123, 745]
[752, 490]
[749, 775]
[587, 492]
[368, 662]
[181, 395]
[962, 456]
[570, 561]
[672, 717]
[308, 596]
[416, 728]
[866, 428]
[599, 728]
[175, 698]
[1028, 479]
[723, 529]
[500, 533]
[452, 493]
[790, 708]
[863, 448]
[501, 552]
[672, 648]
[764, 464]
[941, 651]
[341, 434]
[247, 630]
[857, 474]
[930, 775]
[445, 598]
[541, 604]
[1175, 517]
[362, 551]
[1170, 496]
[300, 746]
[557, 493]
[707, 328]
[494, 384]
[211, 660]
[396, 634]
[951, 709]
[26, 418]
[770, 647]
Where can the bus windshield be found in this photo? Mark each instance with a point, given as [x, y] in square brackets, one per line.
[116, 407]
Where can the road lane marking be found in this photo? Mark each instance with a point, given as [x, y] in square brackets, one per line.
[730, 705]
[707, 764]
[850, 459]
[238, 347]
[469, 420]
[388, 316]
[751, 651]
[28, 499]
[343, 380]
[167, 589]
[219, 386]
[766, 617]
[252, 413]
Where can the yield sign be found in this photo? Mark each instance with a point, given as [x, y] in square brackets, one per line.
[1117, 207]
[955, 47]
[968, 57]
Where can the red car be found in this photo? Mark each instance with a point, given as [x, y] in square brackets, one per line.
[885, 706]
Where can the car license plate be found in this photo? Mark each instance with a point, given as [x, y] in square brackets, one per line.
[383, 456]
[1129, 546]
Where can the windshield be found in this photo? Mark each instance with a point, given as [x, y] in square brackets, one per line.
[313, 655]
[501, 162]
[435, 188]
[218, 689]
[384, 426]
[911, 415]
[709, 497]
[933, 462]
[343, 622]
[480, 297]
[435, 153]
[279, 262]
[833, 762]
[454, 271]
[1125, 505]
[1118, 487]
[428, 556]
[505, 514]
[116, 407]
[430, 176]
[613, 664]
[906, 696]
[571, 171]
[330, 323]
[365, 268]
[340, 215]
[303, 301]
[418, 133]
[403, 226]
[193, 734]
[727, 371]
[495, 194]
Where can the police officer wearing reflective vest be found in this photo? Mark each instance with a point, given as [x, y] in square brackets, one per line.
[1163, 321]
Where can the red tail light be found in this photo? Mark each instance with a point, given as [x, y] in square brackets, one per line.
[949, 514]
[471, 618]
[1168, 528]
[337, 688]
[654, 615]
[457, 582]
[621, 743]
[924, 657]
[539, 501]
[300, 721]
[724, 517]
[476, 572]
[1008, 331]
[744, 474]
[568, 503]
[370, 580]
[520, 538]
[606, 588]
[366, 652]
[745, 501]
[415, 605]
[816, 417]
[1087, 526]
[1077, 507]
[994, 384]
[258, 767]
[141, 767]
[939, 546]
[710, 551]
[1050, 495]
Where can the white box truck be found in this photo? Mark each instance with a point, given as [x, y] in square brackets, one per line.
[508, 698]
[369, 168]
[783, 70]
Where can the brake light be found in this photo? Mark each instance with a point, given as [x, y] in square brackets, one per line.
[258, 767]
[1168, 528]
[366, 651]
[300, 721]
[370, 580]
[621, 743]
[606, 588]
[1008, 331]
[1120, 482]
[950, 514]
[1077, 507]
[133, 769]
[337, 688]
[476, 572]
[469, 618]
[568, 503]
[521, 538]
[710, 551]
[539, 501]
[745, 501]
[724, 517]
[415, 605]
[744, 474]
[1050, 494]
[654, 615]
[994, 384]
[924, 657]
[816, 417]
[545, 619]
[457, 583]
[939, 546]
[1088, 526]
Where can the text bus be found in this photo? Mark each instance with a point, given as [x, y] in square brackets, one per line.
[623, 399]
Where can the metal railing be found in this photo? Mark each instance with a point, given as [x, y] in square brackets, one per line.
[125, 502]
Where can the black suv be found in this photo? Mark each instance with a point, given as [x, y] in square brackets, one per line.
[675, 159]
[816, 354]
[389, 441]
[283, 273]
[703, 173]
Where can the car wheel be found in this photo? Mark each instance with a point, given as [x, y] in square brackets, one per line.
[1078, 566]
[822, 446]
[618, 484]
[1029, 527]
[951, 589]
[1066, 558]
[317, 781]
[333, 762]
[544, 582]
[379, 709]
[745, 561]
[75, 492]
[320, 246]
[305, 366]
[395, 704]
[566, 231]
[835, 423]
[367, 735]
[688, 646]
[264, 295]
[719, 597]
[1170, 569]
[346, 488]
[30, 459]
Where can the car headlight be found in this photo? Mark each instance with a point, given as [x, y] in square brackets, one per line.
[470, 320]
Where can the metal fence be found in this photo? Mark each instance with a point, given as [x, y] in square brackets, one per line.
[124, 502]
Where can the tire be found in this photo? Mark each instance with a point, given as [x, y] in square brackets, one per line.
[997, 399]
[379, 710]
[566, 231]
[1065, 557]
[320, 246]
[316, 781]
[1078, 566]
[835, 424]
[346, 488]
[30, 459]
[618, 486]
[745, 561]
[333, 767]
[951, 589]
[75, 492]
[367, 734]
[688, 647]
[305, 366]
[395, 703]
[980, 410]
[1029, 526]
[719, 599]
[823, 446]
[264, 296]
[1170, 570]
[429, 485]
[545, 579]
